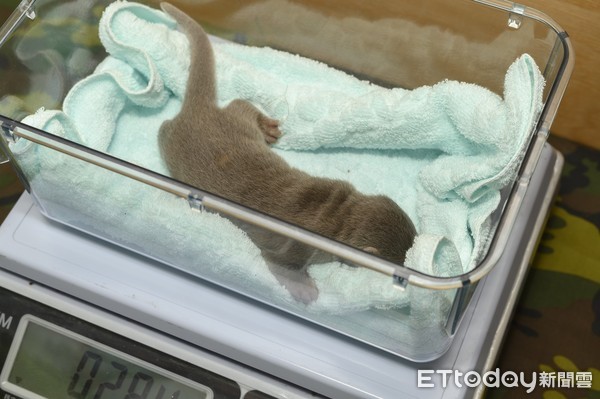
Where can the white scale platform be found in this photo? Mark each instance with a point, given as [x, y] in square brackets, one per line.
[204, 325]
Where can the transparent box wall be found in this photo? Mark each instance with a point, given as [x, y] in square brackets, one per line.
[50, 46]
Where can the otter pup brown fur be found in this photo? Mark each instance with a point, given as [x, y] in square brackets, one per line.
[225, 151]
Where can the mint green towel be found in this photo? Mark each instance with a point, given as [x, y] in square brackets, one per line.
[442, 152]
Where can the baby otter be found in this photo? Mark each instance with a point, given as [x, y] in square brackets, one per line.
[225, 151]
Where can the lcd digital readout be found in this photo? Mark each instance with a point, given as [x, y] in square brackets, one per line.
[53, 363]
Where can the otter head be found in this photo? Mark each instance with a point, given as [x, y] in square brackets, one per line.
[382, 228]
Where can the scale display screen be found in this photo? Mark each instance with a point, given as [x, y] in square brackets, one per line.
[48, 361]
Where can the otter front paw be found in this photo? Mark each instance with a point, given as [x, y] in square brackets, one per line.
[296, 281]
[305, 291]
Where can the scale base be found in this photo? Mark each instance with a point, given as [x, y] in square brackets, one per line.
[111, 287]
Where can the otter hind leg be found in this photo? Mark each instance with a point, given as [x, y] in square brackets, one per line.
[268, 127]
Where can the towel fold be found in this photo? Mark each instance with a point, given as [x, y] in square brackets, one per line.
[442, 152]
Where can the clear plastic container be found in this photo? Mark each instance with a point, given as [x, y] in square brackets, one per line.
[49, 47]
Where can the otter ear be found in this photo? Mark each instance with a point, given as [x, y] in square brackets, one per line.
[371, 250]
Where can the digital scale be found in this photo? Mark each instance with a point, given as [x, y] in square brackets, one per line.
[80, 318]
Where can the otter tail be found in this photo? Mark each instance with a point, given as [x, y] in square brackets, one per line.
[201, 81]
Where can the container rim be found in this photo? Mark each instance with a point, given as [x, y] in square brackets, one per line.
[200, 199]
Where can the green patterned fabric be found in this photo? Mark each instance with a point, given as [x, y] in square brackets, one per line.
[10, 190]
[556, 327]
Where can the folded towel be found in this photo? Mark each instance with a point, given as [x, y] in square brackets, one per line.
[442, 152]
